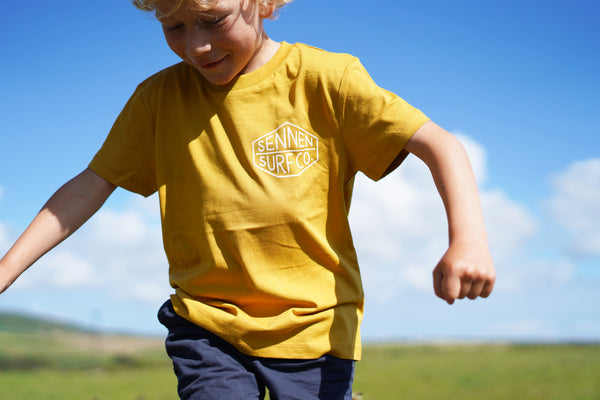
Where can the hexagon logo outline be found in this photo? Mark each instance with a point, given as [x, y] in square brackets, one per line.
[285, 152]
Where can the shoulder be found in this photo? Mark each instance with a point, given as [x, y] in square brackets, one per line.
[171, 77]
[318, 61]
[321, 54]
[165, 88]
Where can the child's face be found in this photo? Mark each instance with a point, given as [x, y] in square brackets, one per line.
[221, 43]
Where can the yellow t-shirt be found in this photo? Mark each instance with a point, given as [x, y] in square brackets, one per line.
[255, 180]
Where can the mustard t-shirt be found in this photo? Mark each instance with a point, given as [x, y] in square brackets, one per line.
[255, 180]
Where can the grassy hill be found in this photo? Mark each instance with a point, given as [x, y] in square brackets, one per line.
[46, 359]
[52, 360]
[20, 323]
[31, 343]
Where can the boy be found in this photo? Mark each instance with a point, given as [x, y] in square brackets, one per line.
[253, 146]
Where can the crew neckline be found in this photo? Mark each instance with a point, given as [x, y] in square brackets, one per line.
[258, 75]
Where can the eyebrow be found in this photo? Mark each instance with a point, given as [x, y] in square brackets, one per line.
[208, 14]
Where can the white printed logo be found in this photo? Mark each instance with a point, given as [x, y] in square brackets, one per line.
[287, 151]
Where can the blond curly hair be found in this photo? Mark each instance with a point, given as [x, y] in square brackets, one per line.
[151, 5]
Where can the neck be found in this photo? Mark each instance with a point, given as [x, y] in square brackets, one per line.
[265, 50]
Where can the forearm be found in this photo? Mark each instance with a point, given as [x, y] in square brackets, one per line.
[73, 204]
[455, 182]
[466, 269]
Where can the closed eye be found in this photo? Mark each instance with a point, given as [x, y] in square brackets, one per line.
[172, 28]
[213, 21]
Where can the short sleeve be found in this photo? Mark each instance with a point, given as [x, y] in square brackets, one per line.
[375, 124]
[127, 157]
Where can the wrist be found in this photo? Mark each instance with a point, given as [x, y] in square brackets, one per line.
[480, 238]
[7, 274]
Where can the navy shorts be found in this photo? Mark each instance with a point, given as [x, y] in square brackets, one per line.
[209, 368]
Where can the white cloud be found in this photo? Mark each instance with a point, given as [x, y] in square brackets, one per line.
[118, 252]
[400, 228]
[400, 233]
[67, 270]
[534, 275]
[509, 224]
[575, 205]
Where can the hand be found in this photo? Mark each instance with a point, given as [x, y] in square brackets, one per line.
[465, 270]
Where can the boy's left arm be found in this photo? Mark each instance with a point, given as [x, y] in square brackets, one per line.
[466, 269]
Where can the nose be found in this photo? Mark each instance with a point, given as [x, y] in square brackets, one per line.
[196, 44]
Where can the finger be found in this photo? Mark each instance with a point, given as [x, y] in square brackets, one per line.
[465, 288]
[487, 288]
[451, 287]
[476, 289]
[437, 283]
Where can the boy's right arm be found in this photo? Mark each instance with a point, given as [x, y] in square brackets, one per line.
[72, 205]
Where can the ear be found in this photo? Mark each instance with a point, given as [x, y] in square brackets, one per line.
[266, 8]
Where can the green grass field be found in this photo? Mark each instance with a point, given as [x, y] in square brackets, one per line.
[480, 372]
[57, 362]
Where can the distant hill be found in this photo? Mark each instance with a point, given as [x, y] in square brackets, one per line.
[30, 343]
[21, 323]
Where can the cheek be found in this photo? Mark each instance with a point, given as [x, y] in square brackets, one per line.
[243, 40]
[176, 45]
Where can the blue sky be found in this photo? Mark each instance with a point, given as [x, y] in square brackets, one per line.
[517, 81]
